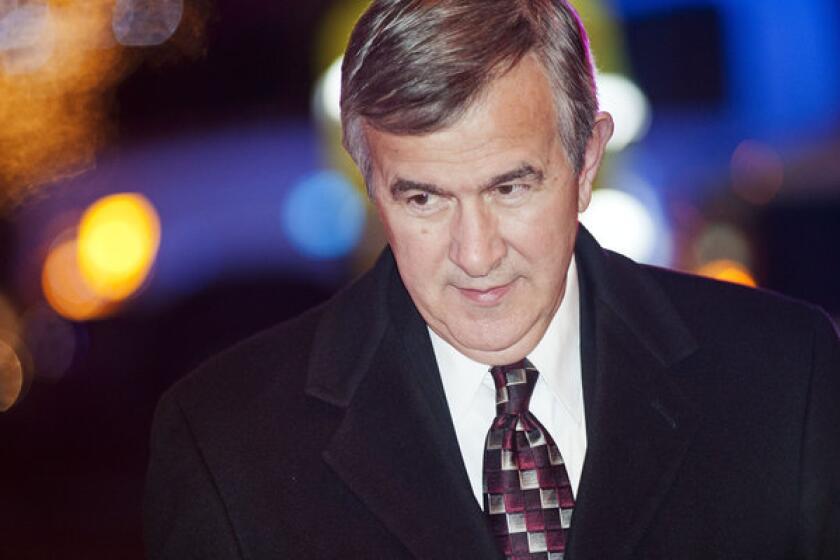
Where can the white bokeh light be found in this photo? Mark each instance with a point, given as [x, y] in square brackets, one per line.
[620, 222]
[629, 107]
[617, 95]
[27, 37]
[326, 101]
[146, 23]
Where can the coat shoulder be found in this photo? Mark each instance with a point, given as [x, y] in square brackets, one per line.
[753, 318]
[251, 367]
[284, 353]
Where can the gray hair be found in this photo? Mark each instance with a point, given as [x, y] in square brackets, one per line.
[415, 66]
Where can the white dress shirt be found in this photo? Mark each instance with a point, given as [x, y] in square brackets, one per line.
[557, 401]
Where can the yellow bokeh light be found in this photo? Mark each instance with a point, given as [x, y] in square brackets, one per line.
[64, 287]
[728, 271]
[119, 237]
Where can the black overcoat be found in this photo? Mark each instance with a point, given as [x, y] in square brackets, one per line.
[712, 412]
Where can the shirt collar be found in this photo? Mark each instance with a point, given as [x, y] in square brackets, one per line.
[556, 357]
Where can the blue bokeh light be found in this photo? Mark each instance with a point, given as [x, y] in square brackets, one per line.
[323, 215]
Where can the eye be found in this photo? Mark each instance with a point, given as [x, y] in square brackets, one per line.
[422, 203]
[421, 199]
[513, 190]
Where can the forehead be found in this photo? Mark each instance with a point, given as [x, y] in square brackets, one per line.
[514, 121]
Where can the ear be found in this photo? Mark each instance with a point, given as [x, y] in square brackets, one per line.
[602, 131]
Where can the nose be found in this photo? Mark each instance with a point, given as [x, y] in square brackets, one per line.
[476, 246]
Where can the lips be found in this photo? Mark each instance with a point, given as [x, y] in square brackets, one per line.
[488, 297]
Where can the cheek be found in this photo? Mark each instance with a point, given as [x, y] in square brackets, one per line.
[536, 231]
[544, 236]
[413, 236]
[419, 248]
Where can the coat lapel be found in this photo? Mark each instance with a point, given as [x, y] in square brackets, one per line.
[638, 424]
[396, 448]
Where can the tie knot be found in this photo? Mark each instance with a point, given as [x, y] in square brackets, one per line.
[514, 385]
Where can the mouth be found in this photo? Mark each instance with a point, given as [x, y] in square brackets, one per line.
[488, 297]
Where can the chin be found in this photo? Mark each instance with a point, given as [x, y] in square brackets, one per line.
[489, 342]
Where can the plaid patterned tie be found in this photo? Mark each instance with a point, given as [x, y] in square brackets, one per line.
[527, 496]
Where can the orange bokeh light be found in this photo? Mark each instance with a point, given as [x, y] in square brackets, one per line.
[758, 172]
[11, 376]
[53, 114]
[64, 286]
[728, 271]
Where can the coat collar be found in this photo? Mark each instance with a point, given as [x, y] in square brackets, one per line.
[397, 434]
[396, 448]
[639, 425]
[349, 334]
[615, 282]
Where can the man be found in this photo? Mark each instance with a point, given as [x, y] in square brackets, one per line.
[499, 385]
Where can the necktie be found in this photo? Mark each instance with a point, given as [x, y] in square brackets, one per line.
[527, 496]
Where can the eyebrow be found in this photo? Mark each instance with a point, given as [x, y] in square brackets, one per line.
[401, 185]
[524, 171]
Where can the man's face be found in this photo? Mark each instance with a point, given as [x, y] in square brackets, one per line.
[482, 216]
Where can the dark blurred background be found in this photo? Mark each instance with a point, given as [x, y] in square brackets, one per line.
[171, 181]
